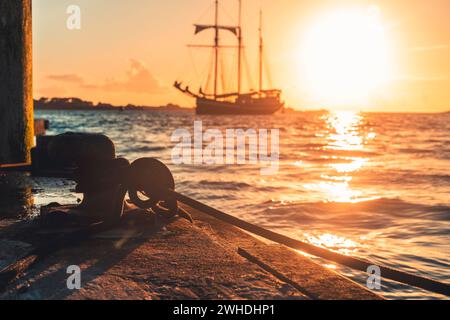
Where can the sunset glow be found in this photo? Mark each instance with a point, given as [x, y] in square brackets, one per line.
[347, 56]
[335, 55]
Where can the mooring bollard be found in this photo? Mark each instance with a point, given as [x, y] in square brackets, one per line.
[16, 94]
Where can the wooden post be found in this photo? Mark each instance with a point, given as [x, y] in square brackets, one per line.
[16, 94]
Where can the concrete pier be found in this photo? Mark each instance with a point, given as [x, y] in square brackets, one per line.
[142, 259]
[16, 94]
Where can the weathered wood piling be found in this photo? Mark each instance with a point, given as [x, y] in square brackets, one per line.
[16, 94]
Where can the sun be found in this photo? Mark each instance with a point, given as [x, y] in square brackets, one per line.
[346, 56]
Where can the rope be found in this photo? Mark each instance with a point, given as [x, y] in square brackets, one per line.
[268, 73]
[227, 14]
[210, 70]
[352, 262]
[200, 18]
[247, 71]
[197, 75]
[222, 74]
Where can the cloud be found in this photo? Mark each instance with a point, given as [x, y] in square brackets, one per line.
[66, 78]
[431, 48]
[138, 79]
[52, 91]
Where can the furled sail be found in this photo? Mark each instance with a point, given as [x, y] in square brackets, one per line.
[201, 27]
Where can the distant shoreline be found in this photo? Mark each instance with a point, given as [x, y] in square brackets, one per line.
[77, 104]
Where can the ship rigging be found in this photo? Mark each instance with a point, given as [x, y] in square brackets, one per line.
[261, 101]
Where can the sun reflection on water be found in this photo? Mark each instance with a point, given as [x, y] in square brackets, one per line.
[345, 141]
[333, 242]
[344, 131]
[345, 156]
[354, 165]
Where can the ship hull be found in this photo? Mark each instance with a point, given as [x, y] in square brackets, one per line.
[209, 106]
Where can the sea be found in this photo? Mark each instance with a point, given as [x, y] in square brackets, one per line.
[369, 185]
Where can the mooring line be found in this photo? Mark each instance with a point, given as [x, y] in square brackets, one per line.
[352, 262]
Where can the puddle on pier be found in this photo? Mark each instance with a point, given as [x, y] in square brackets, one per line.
[22, 195]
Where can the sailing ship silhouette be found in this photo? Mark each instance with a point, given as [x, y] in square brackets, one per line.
[261, 101]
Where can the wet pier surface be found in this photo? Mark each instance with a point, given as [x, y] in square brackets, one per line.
[145, 259]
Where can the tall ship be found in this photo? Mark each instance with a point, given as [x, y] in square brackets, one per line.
[253, 102]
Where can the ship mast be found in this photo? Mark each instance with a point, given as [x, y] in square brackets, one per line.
[216, 48]
[240, 48]
[261, 51]
[236, 30]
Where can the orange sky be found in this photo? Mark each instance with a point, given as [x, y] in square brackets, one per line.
[132, 51]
